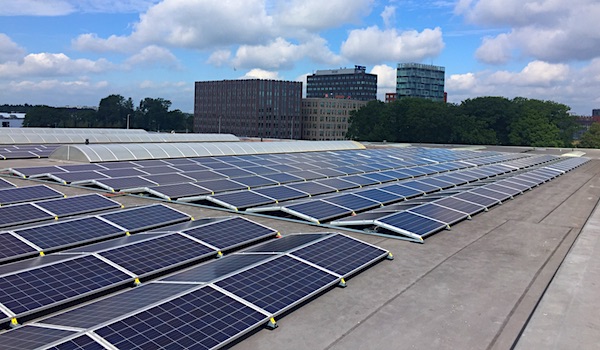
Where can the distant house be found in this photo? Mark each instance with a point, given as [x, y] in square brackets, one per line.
[11, 120]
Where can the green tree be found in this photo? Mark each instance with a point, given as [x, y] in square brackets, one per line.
[113, 111]
[490, 113]
[153, 114]
[366, 123]
[591, 138]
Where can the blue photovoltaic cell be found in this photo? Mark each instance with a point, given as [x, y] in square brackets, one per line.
[421, 186]
[412, 223]
[82, 342]
[70, 232]
[204, 175]
[6, 184]
[256, 181]
[176, 191]
[37, 170]
[280, 193]
[114, 306]
[338, 184]
[286, 243]
[514, 185]
[278, 284]
[78, 204]
[137, 219]
[403, 191]
[311, 188]
[230, 233]
[439, 213]
[283, 178]
[352, 202]
[128, 172]
[158, 170]
[12, 247]
[218, 268]
[202, 319]
[379, 195]
[460, 205]
[360, 180]
[124, 183]
[22, 213]
[434, 181]
[340, 254]
[234, 172]
[317, 210]
[27, 194]
[378, 177]
[48, 285]
[148, 163]
[241, 200]
[31, 337]
[153, 255]
[222, 185]
[490, 193]
[500, 188]
[79, 176]
[477, 199]
[307, 174]
[168, 179]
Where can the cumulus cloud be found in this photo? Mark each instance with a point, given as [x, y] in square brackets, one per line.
[9, 50]
[92, 43]
[495, 50]
[389, 16]
[152, 55]
[373, 45]
[386, 79]
[261, 74]
[314, 15]
[51, 64]
[461, 82]
[219, 58]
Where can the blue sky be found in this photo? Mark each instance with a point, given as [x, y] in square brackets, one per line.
[75, 52]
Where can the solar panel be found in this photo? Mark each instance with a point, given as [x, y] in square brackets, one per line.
[157, 254]
[341, 254]
[311, 188]
[159, 170]
[316, 211]
[439, 213]
[477, 199]
[406, 192]
[126, 172]
[256, 181]
[143, 218]
[21, 214]
[502, 189]
[337, 183]
[307, 174]
[31, 337]
[77, 176]
[421, 186]
[117, 165]
[6, 184]
[411, 224]
[222, 185]
[435, 181]
[280, 193]
[204, 175]
[27, 194]
[234, 172]
[78, 204]
[507, 183]
[283, 178]
[81, 167]
[192, 167]
[215, 269]
[379, 177]
[352, 202]
[175, 191]
[396, 174]
[111, 307]
[230, 233]
[168, 179]
[378, 195]
[359, 180]
[491, 193]
[11, 247]
[240, 200]
[260, 170]
[123, 183]
[460, 205]
[202, 319]
[83, 342]
[329, 172]
[278, 284]
[286, 243]
[37, 170]
[65, 233]
[48, 285]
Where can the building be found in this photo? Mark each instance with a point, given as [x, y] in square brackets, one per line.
[595, 112]
[390, 97]
[585, 122]
[11, 120]
[327, 118]
[352, 83]
[420, 80]
[252, 108]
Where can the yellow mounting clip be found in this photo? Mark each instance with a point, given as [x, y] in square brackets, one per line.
[14, 322]
[219, 254]
[342, 283]
[278, 235]
[136, 281]
[42, 254]
[390, 256]
[127, 233]
[272, 323]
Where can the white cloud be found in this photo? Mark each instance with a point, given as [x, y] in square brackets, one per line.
[315, 15]
[261, 74]
[389, 16]
[536, 73]
[50, 64]
[92, 43]
[9, 50]
[461, 82]
[219, 58]
[372, 45]
[386, 80]
[153, 55]
[495, 50]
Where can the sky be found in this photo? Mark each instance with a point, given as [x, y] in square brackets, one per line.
[76, 52]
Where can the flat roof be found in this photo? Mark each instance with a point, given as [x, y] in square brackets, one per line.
[524, 273]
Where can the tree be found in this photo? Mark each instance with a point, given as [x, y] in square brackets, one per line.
[591, 138]
[153, 114]
[113, 111]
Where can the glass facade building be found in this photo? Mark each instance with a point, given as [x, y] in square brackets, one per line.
[420, 80]
[249, 108]
[351, 83]
[327, 118]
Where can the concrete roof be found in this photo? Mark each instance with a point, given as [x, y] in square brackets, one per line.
[525, 273]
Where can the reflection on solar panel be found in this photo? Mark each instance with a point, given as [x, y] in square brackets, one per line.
[240, 200]
[316, 211]
[27, 194]
[218, 268]
[439, 213]
[286, 243]
[211, 319]
[175, 191]
[143, 218]
[352, 202]
[109, 308]
[31, 337]
[379, 195]
[22, 213]
[341, 254]
[227, 234]
[278, 284]
[49, 285]
[65, 233]
[11, 247]
[410, 224]
[78, 204]
[154, 255]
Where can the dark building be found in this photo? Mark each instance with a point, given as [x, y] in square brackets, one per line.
[420, 80]
[595, 112]
[390, 97]
[352, 83]
[253, 108]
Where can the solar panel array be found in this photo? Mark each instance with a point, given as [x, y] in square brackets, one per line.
[25, 151]
[209, 305]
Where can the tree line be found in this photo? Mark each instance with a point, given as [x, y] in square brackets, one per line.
[483, 120]
[114, 111]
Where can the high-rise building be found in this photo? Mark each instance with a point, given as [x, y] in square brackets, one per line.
[595, 112]
[420, 80]
[252, 108]
[327, 118]
[352, 83]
